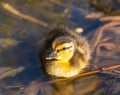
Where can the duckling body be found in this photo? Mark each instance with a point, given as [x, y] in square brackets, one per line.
[65, 53]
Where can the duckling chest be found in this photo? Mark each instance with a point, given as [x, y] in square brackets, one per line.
[61, 69]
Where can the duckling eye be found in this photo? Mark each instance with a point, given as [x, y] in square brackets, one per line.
[61, 49]
[66, 48]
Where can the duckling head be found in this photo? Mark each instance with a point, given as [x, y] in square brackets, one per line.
[63, 49]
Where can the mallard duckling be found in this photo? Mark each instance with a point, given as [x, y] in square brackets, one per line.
[65, 53]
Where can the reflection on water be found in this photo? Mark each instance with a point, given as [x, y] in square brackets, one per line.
[82, 86]
[23, 23]
[89, 85]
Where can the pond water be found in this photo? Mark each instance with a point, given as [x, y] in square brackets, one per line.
[23, 23]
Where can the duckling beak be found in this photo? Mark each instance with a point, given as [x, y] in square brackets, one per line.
[51, 55]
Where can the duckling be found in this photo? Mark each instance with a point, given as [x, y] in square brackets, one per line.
[65, 53]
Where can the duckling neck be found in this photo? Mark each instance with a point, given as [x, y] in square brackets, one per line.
[61, 69]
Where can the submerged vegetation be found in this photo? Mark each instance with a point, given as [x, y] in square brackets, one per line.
[23, 23]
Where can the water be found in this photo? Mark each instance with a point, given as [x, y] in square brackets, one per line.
[19, 38]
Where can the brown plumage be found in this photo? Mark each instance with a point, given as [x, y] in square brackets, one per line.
[65, 53]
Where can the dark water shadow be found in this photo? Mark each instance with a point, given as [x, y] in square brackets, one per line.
[19, 65]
